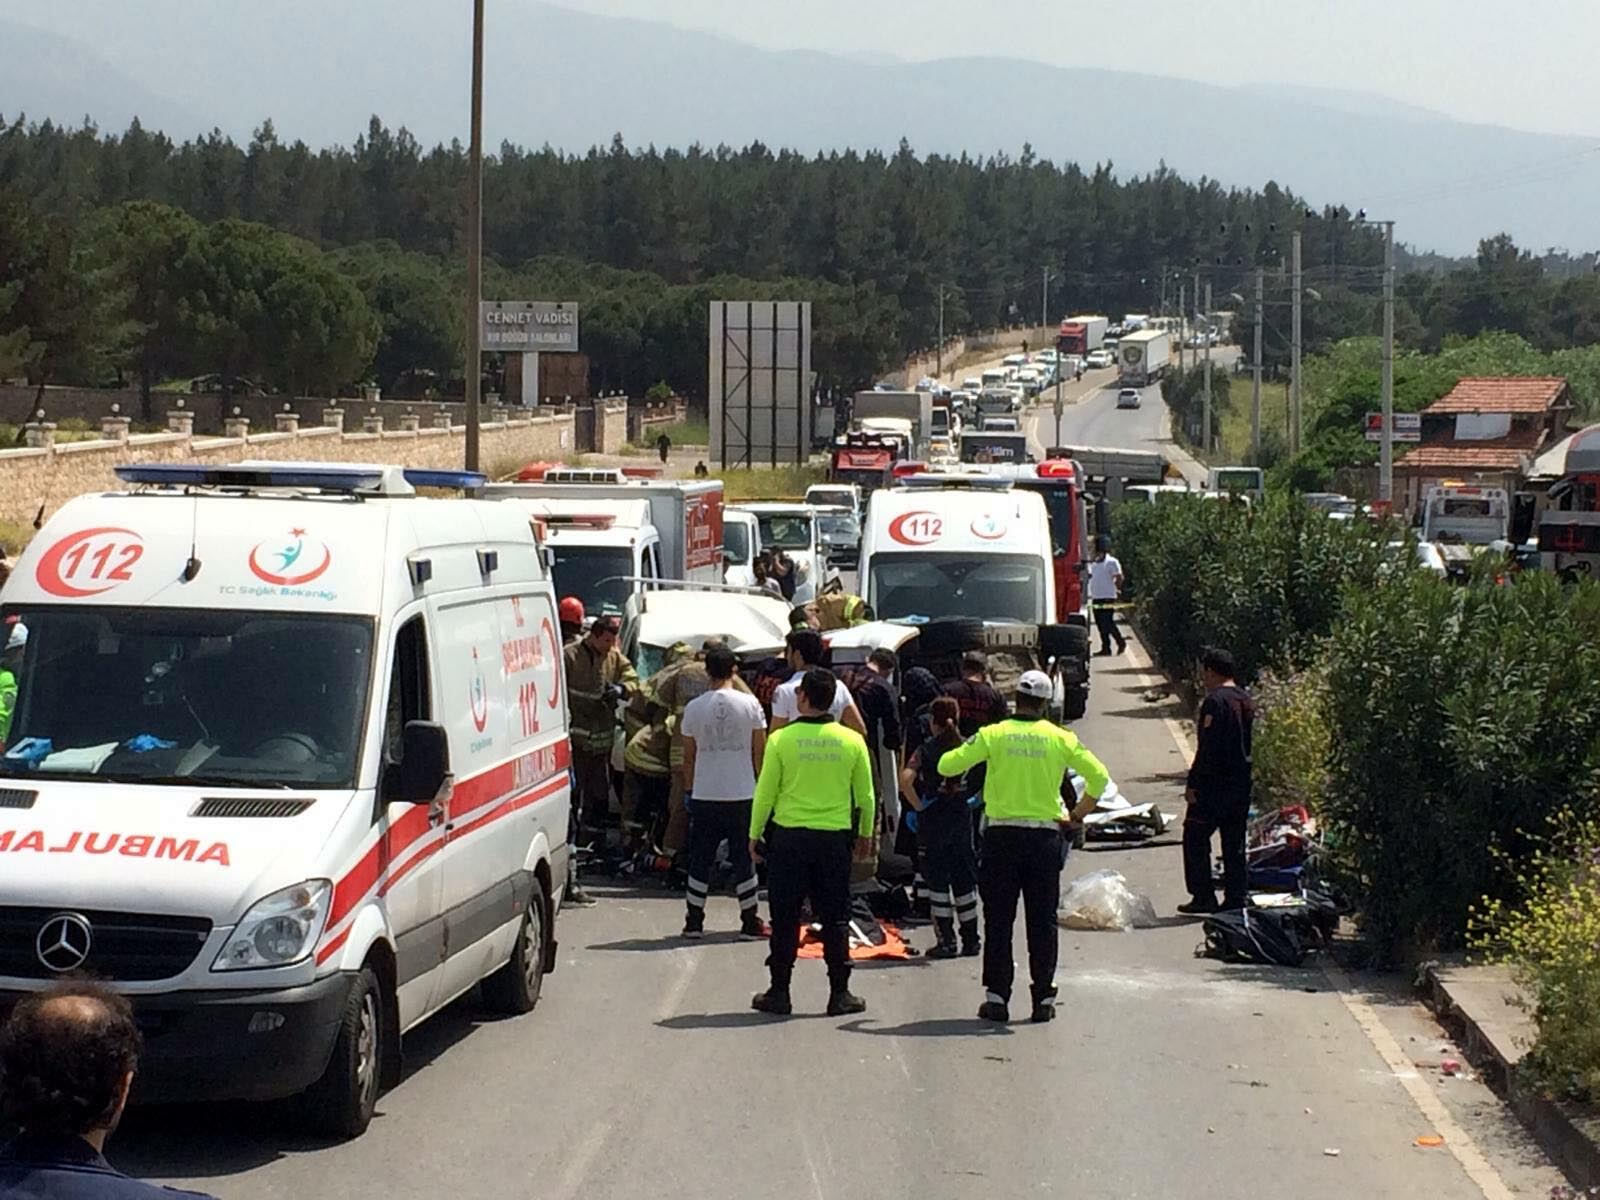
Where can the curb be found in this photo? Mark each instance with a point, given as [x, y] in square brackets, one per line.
[1567, 1133]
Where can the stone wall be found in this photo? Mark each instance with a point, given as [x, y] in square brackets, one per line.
[51, 475]
[610, 426]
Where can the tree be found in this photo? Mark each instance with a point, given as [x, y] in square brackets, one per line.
[148, 246]
[419, 310]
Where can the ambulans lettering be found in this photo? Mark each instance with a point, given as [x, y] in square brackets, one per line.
[130, 845]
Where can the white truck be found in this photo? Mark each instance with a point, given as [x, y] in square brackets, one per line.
[607, 535]
[913, 407]
[1143, 357]
[1461, 521]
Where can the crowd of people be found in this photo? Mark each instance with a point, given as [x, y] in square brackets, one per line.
[789, 768]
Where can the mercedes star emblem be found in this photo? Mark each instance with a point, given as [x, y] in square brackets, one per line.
[63, 942]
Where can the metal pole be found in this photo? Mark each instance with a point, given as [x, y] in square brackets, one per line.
[474, 379]
[1386, 462]
[1044, 302]
[938, 354]
[1294, 352]
[1183, 319]
[1255, 382]
[1206, 408]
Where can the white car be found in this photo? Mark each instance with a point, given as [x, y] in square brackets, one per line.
[741, 544]
[1099, 359]
[1015, 361]
[1128, 398]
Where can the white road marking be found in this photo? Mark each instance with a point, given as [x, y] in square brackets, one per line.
[1456, 1139]
[576, 1171]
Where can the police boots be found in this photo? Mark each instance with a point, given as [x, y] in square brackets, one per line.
[945, 946]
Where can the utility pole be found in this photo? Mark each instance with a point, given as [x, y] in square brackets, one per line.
[1206, 407]
[474, 380]
[1183, 319]
[1386, 461]
[1255, 382]
[938, 353]
[1044, 302]
[1294, 350]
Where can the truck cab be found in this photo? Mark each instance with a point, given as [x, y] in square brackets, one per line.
[609, 536]
[791, 526]
[741, 544]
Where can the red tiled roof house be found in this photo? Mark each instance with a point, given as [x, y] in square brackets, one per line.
[1486, 432]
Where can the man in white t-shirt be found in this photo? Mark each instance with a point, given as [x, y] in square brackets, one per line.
[805, 650]
[1105, 586]
[724, 737]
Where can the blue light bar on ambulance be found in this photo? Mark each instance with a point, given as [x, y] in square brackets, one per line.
[326, 478]
[977, 483]
[454, 480]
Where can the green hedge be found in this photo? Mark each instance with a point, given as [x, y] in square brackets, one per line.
[1265, 582]
[1463, 720]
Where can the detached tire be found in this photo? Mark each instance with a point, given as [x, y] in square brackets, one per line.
[341, 1103]
[514, 989]
[950, 635]
[1063, 641]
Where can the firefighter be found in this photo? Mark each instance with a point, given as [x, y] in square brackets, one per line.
[813, 806]
[1027, 757]
[571, 615]
[598, 676]
[944, 832]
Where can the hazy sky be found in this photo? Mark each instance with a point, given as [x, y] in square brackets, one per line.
[1527, 65]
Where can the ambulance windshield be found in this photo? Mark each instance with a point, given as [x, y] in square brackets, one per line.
[600, 576]
[167, 695]
[991, 587]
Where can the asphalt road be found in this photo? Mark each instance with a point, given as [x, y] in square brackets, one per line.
[643, 1073]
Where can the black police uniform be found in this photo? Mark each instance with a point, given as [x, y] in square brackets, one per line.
[1220, 777]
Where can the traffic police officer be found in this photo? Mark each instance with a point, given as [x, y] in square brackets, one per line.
[813, 805]
[1028, 756]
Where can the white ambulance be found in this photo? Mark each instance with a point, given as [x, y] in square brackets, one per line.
[958, 546]
[289, 768]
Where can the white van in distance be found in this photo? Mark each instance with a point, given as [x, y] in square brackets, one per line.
[289, 768]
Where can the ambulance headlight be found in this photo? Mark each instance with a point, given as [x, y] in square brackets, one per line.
[279, 929]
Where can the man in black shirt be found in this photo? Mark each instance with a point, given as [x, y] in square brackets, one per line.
[980, 703]
[1219, 788]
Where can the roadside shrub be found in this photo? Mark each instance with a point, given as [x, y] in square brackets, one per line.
[1461, 720]
[1552, 942]
[1266, 582]
[1292, 739]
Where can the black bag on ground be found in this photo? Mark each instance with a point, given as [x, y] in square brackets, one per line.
[1253, 935]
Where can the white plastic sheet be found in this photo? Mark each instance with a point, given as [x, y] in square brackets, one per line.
[1103, 900]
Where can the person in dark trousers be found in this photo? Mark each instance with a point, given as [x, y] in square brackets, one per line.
[944, 832]
[1028, 757]
[663, 446]
[1105, 588]
[67, 1059]
[813, 806]
[1218, 791]
[724, 739]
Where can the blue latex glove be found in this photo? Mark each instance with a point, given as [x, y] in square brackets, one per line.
[31, 751]
[146, 742]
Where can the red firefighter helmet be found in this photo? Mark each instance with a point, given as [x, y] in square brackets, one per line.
[570, 610]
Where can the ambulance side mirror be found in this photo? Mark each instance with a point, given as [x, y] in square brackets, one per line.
[424, 764]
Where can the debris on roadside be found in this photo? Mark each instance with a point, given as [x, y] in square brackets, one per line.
[1103, 900]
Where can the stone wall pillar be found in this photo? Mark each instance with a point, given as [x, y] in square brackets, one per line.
[441, 418]
[333, 417]
[286, 422]
[236, 425]
[39, 433]
[114, 427]
[372, 422]
[180, 420]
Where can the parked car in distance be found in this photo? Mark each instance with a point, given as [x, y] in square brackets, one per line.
[1098, 360]
[1335, 504]
[972, 384]
[1128, 398]
[1014, 361]
[841, 535]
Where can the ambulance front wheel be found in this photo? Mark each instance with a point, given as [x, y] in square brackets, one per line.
[342, 1102]
[515, 987]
